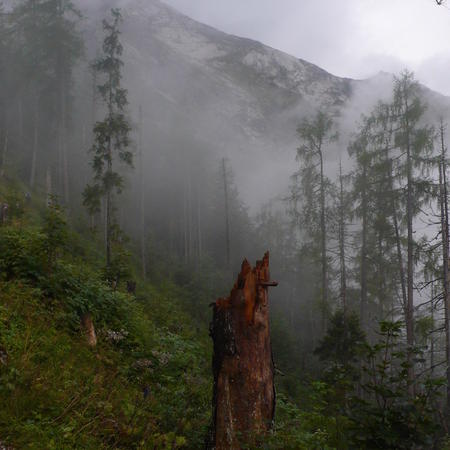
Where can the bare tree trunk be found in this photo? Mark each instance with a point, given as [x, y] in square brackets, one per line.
[445, 254]
[323, 238]
[185, 227]
[5, 151]
[431, 334]
[363, 304]
[63, 131]
[199, 225]
[342, 241]
[20, 112]
[410, 270]
[94, 99]
[227, 214]
[401, 267]
[48, 185]
[142, 196]
[244, 391]
[380, 277]
[108, 227]
[35, 141]
[190, 221]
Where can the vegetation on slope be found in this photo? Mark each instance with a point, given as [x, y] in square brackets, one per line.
[145, 385]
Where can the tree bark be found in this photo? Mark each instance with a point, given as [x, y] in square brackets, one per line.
[4, 153]
[64, 150]
[410, 267]
[342, 241]
[35, 141]
[244, 392]
[398, 244]
[445, 254]
[48, 186]
[199, 225]
[363, 305]
[142, 196]
[323, 239]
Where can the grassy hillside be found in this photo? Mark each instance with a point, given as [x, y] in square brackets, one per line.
[147, 382]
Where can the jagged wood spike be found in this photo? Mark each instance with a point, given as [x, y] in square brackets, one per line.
[243, 368]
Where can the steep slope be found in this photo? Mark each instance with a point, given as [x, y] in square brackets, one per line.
[147, 382]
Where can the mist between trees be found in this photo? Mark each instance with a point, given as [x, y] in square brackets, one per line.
[369, 240]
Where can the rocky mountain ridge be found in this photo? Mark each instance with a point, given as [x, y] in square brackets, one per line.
[235, 96]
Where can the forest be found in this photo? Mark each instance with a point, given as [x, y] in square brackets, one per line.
[120, 224]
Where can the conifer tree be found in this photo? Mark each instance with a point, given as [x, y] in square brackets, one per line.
[443, 203]
[312, 187]
[414, 143]
[359, 150]
[375, 208]
[111, 135]
[47, 47]
[343, 209]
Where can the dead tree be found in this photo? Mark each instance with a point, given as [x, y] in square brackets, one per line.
[244, 392]
[443, 197]
[227, 211]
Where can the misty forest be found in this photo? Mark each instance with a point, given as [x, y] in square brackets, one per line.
[208, 243]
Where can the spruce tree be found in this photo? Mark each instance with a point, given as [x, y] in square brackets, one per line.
[47, 47]
[414, 144]
[111, 135]
[313, 189]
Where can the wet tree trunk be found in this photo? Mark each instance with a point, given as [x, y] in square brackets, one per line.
[244, 392]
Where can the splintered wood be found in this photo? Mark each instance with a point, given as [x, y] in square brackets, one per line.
[244, 393]
[88, 329]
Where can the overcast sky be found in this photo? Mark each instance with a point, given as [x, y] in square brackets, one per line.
[352, 38]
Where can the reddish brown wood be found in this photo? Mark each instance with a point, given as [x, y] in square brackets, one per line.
[88, 329]
[244, 392]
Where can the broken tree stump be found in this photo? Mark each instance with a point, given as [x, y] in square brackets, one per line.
[244, 391]
[88, 329]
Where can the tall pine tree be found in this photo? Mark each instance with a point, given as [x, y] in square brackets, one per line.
[111, 135]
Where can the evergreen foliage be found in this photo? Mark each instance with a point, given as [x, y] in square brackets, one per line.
[111, 136]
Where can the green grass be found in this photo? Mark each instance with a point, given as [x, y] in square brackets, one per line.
[56, 392]
[147, 384]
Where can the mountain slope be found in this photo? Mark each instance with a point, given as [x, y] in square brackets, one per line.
[236, 97]
[146, 384]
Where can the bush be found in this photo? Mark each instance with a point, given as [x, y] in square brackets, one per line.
[22, 253]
